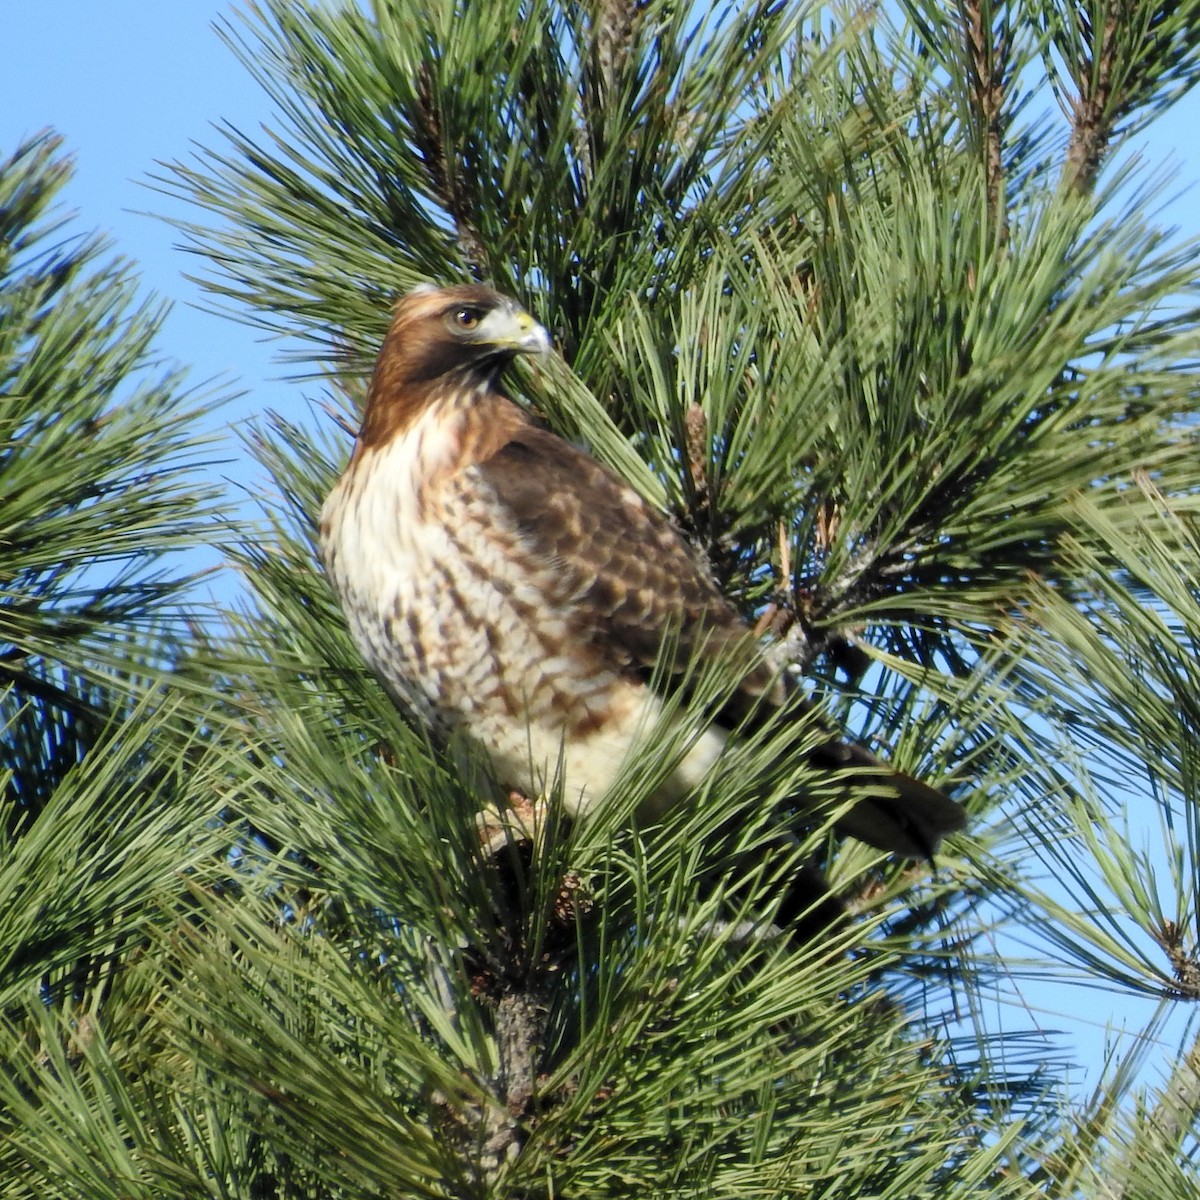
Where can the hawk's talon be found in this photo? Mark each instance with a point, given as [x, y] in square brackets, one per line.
[521, 820]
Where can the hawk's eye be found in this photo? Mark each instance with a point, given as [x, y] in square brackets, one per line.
[467, 318]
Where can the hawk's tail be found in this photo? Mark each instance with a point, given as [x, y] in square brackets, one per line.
[896, 812]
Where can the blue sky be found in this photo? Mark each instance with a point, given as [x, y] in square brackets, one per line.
[128, 84]
[132, 82]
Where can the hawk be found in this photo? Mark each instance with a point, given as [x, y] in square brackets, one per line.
[509, 588]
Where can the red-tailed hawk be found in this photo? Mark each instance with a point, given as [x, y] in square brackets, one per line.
[508, 587]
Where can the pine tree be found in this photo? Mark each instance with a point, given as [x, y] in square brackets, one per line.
[105, 803]
[896, 342]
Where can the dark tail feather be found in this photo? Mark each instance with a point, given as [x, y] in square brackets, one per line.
[897, 813]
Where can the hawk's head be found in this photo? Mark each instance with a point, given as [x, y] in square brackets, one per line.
[461, 331]
[444, 339]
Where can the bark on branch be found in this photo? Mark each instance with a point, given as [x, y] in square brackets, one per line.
[988, 55]
[1092, 110]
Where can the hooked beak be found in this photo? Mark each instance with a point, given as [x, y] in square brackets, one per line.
[513, 330]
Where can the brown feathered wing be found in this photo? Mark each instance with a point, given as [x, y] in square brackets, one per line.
[626, 581]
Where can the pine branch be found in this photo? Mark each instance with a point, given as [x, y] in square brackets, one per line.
[1183, 960]
[445, 176]
[1161, 1131]
[25, 682]
[611, 49]
[520, 1041]
[1127, 60]
[988, 57]
[1095, 111]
